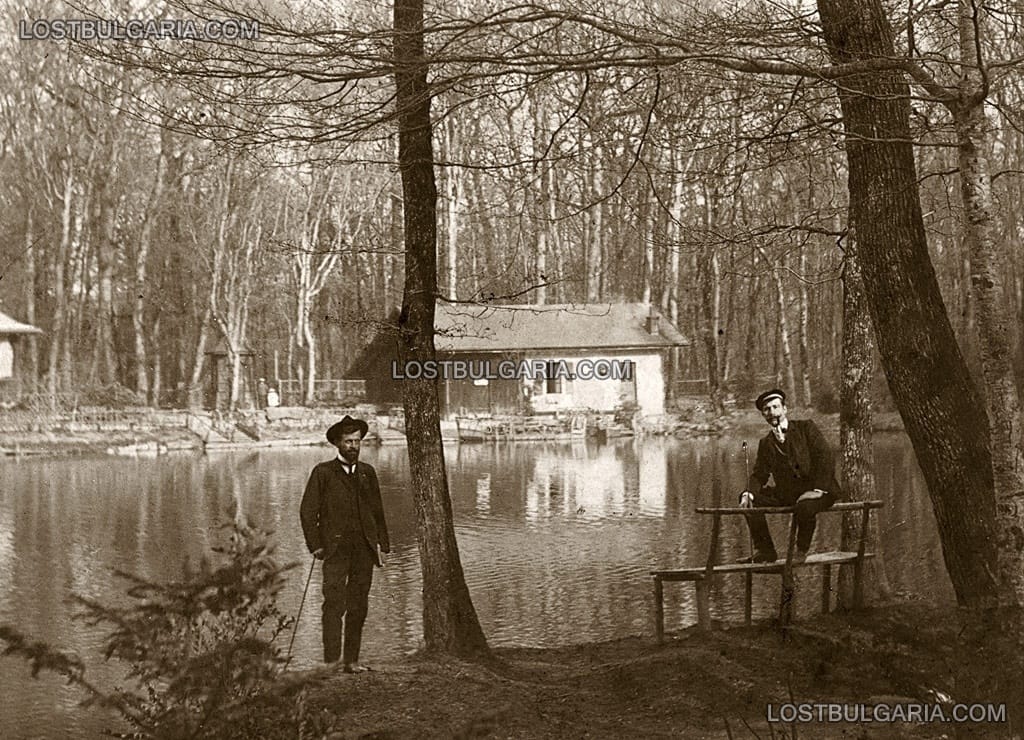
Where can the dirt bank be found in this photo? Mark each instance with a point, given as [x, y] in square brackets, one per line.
[59, 443]
[696, 685]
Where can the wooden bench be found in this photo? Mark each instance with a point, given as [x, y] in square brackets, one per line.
[701, 576]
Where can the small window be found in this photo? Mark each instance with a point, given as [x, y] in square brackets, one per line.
[555, 375]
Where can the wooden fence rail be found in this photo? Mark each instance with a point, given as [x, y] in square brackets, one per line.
[329, 390]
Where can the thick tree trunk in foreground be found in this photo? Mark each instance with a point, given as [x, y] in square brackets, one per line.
[450, 623]
[710, 313]
[929, 380]
[858, 457]
[987, 269]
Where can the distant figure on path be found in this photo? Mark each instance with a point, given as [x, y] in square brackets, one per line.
[343, 523]
[799, 460]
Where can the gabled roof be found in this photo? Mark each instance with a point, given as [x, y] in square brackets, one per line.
[491, 328]
[10, 326]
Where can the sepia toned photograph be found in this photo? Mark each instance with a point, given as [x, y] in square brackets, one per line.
[452, 369]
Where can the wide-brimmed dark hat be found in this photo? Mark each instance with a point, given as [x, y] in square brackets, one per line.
[347, 426]
[768, 396]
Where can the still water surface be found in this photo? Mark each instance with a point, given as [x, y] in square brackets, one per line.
[556, 541]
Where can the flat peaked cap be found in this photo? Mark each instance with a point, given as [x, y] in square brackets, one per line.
[768, 396]
[347, 426]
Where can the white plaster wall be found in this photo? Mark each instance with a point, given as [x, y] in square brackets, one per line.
[650, 384]
[605, 395]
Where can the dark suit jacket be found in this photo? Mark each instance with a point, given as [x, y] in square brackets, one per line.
[334, 507]
[803, 463]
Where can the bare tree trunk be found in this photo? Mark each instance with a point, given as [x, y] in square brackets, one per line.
[710, 306]
[595, 232]
[59, 321]
[30, 298]
[106, 247]
[450, 623]
[805, 352]
[727, 327]
[452, 202]
[670, 297]
[710, 315]
[194, 389]
[986, 261]
[397, 246]
[541, 225]
[784, 343]
[858, 457]
[157, 365]
[927, 375]
[647, 229]
[749, 371]
[310, 363]
[551, 199]
[141, 255]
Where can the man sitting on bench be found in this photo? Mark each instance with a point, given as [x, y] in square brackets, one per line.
[799, 460]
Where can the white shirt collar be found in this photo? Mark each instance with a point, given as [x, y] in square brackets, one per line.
[346, 463]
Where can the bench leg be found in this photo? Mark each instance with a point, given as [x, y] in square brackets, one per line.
[826, 588]
[858, 583]
[659, 610]
[703, 612]
[787, 597]
[748, 598]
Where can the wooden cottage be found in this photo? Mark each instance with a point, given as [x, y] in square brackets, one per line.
[13, 373]
[555, 357]
[536, 359]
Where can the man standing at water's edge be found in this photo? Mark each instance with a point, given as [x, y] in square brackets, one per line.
[343, 524]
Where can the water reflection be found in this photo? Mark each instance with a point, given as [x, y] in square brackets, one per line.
[556, 541]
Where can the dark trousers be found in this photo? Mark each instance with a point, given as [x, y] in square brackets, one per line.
[348, 573]
[805, 513]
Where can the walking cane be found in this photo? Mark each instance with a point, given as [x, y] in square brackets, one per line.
[299, 615]
[746, 472]
[748, 594]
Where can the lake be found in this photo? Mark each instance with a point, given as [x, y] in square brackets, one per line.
[556, 541]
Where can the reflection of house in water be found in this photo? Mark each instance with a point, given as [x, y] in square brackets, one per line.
[609, 480]
[483, 493]
[652, 478]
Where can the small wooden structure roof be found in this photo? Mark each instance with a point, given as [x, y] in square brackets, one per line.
[10, 326]
[220, 347]
[564, 326]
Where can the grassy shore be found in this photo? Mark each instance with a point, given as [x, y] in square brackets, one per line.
[716, 684]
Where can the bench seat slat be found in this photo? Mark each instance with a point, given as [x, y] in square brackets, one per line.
[818, 558]
[840, 506]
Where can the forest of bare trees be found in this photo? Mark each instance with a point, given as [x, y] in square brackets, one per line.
[580, 157]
